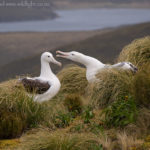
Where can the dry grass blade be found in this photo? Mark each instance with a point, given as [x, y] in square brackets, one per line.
[128, 142]
[59, 140]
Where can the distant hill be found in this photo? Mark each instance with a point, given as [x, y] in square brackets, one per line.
[76, 4]
[25, 14]
[26, 10]
[113, 1]
[104, 46]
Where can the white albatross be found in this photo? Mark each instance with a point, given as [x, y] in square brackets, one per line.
[47, 85]
[93, 65]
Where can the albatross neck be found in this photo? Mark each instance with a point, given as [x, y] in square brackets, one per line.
[91, 62]
[46, 71]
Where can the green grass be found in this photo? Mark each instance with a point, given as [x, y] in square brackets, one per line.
[121, 113]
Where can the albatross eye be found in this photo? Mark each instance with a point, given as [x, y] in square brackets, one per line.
[72, 54]
[48, 56]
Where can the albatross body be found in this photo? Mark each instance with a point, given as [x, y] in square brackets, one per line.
[47, 84]
[93, 65]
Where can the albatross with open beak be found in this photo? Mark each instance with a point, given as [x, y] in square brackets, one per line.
[93, 65]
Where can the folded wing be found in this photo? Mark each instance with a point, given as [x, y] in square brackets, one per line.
[35, 85]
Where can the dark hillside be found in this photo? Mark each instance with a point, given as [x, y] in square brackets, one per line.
[25, 14]
[113, 1]
[26, 10]
[17, 45]
[105, 47]
[63, 4]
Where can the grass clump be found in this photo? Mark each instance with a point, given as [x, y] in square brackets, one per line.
[112, 84]
[143, 122]
[73, 79]
[127, 142]
[141, 87]
[138, 52]
[45, 140]
[18, 112]
[11, 125]
[74, 103]
[121, 113]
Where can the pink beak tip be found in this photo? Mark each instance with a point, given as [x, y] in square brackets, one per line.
[58, 51]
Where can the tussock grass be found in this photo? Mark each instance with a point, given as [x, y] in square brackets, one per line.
[141, 86]
[112, 85]
[74, 103]
[17, 111]
[73, 117]
[73, 79]
[138, 52]
[127, 142]
[143, 122]
[59, 140]
[43, 139]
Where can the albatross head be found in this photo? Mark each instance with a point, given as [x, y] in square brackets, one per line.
[48, 57]
[131, 67]
[73, 55]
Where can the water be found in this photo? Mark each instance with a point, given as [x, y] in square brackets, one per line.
[84, 19]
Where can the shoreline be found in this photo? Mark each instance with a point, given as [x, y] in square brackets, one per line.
[7, 16]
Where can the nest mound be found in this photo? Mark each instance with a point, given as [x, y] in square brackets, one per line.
[138, 52]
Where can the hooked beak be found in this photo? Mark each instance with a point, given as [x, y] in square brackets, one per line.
[56, 62]
[135, 69]
[62, 54]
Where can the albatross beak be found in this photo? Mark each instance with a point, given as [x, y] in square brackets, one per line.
[135, 69]
[62, 54]
[56, 62]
